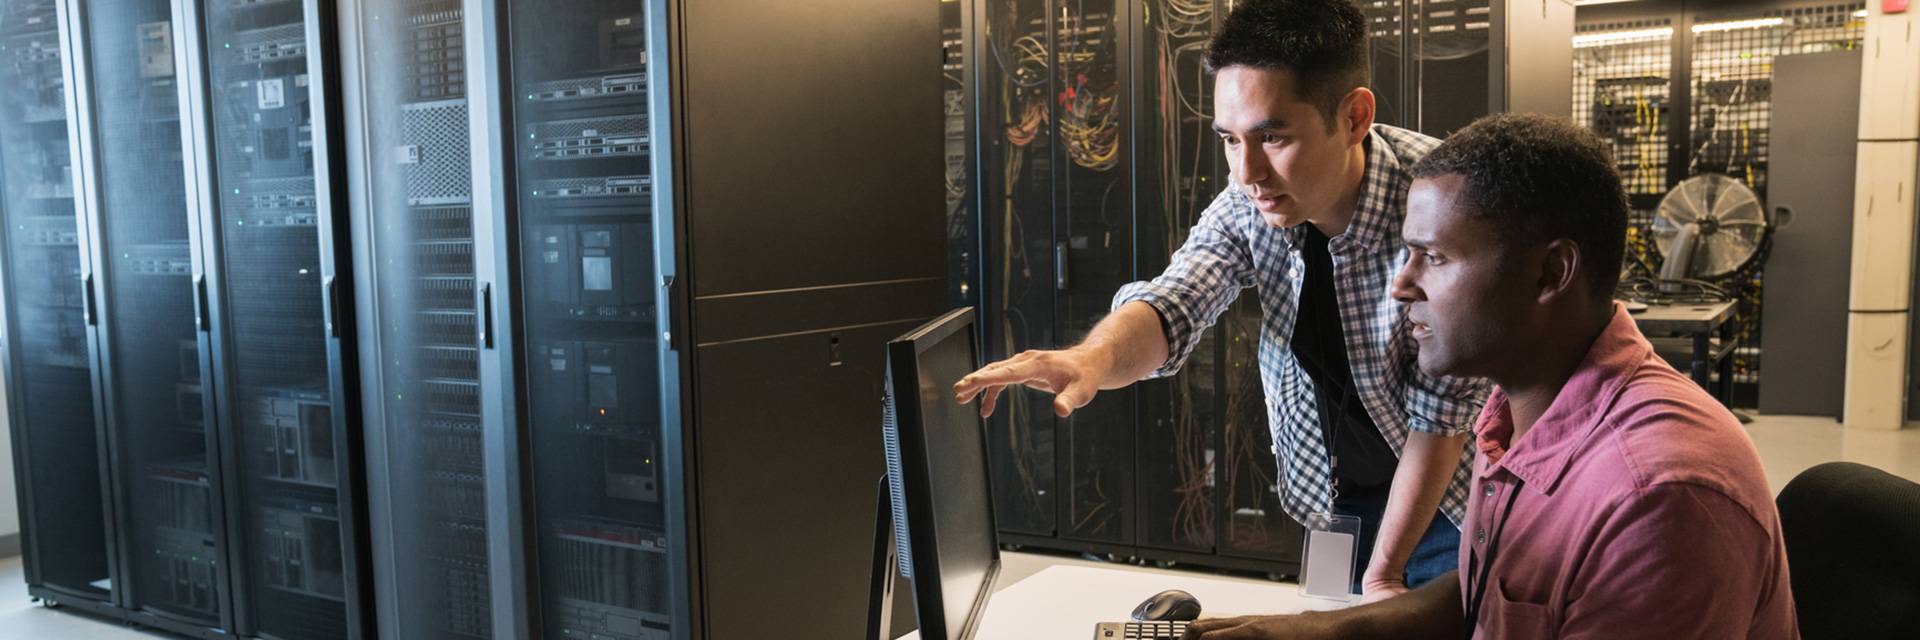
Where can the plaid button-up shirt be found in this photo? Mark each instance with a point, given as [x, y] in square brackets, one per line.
[1232, 248]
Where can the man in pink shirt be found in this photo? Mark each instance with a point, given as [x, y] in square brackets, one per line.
[1612, 497]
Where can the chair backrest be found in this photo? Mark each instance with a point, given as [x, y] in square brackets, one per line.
[1853, 547]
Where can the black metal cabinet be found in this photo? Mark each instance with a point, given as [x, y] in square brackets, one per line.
[150, 361]
[578, 138]
[257, 99]
[1053, 228]
[431, 440]
[44, 356]
[1014, 215]
[1094, 236]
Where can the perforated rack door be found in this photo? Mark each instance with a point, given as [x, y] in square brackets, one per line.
[1017, 84]
[1093, 233]
[408, 86]
[580, 154]
[170, 511]
[49, 395]
[265, 267]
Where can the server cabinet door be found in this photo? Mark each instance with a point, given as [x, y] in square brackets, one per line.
[957, 107]
[152, 383]
[1179, 174]
[1452, 53]
[1394, 102]
[579, 131]
[49, 393]
[1254, 523]
[411, 196]
[1093, 253]
[1016, 101]
[252, 122]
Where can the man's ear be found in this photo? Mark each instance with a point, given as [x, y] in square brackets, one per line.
[1356, 114]
[1560, 268]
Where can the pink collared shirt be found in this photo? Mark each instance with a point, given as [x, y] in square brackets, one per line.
[1644, 511]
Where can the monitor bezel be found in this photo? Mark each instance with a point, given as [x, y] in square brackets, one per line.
[903, 355]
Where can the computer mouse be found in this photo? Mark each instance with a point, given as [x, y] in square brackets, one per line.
[1172, 604]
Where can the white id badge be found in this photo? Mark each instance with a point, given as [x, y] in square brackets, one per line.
[1326, 570]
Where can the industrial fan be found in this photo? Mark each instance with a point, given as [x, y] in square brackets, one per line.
[1710, 227]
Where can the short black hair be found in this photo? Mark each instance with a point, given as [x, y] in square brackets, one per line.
[1322, 42]
[1540, 179]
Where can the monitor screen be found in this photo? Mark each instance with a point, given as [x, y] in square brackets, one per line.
[938, 463]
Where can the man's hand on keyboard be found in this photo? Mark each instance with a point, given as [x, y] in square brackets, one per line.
[1300, 627]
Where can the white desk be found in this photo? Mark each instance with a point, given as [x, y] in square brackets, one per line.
[1065, 602]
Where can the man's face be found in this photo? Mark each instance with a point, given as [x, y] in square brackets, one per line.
[1282, 152]
[1471, 302]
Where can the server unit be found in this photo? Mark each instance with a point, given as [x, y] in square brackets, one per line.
[1084, 156]
[185, 273]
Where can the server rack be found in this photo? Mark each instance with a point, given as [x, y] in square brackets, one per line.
[260, 131]
[433, 438]
[151, 397]
[44, 356]
[577, 134]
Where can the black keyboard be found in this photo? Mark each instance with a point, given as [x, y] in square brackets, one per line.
[1139, 630]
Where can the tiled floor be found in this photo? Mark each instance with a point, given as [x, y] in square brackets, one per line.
[1788, 445]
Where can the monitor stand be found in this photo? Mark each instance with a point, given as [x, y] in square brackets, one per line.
[880, 595]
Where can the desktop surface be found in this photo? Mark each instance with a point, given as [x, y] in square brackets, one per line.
[1065, 602]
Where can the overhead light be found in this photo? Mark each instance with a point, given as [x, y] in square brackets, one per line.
[1588, 3]
[1860, 14]
[1730, 25]
[1609, 37]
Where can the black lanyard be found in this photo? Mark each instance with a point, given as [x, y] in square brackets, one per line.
[1479, 573]
[1333, 413]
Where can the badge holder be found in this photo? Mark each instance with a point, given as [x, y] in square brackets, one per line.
[1326, 566]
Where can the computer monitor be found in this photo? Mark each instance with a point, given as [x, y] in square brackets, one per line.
[942, 505]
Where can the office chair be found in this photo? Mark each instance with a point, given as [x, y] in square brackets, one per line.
[1851, 532]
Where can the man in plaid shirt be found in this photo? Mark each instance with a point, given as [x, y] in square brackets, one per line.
[1313, 225]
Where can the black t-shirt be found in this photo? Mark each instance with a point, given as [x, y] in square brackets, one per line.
[1363, 458]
